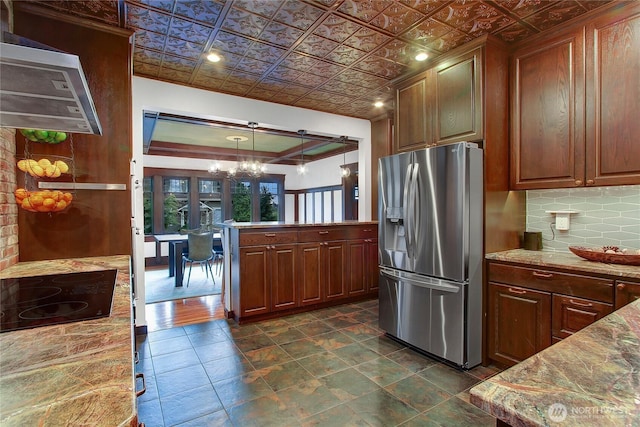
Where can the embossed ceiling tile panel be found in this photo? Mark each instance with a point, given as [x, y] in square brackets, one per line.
[427, 32]
[147, 57]
[271, 84]
[555, 14]
[342, 87]
[243, 22]
[260, 93]
[188, 30]
[295, 89]
[253, 66]
[396, 18]
[263, 8]
[235, 88]
[232, 43]
[158, 4]
[174, 75]
[280, 34]
[514, 32]
[426, 7]
[381, 67]
[265, 52]
[326, 69]
[311, 80]
[178, 63]
[298, 14]
[298, 61]
[149, 40]
[398, 51]
[366, 39]
[521, 8]
[229, 60]
[316, 46]
[336, 28]
[203, 11]
[143, 69]
[360, 78]
[284, 98]
[146, 19]
[183, 48]
[451, 40]
[590, 5]
[243, 78]
[207, 82]
[345, 55]
[364, 10]
[214, 70]
[463, 15]
[104, 11]
[285, 74]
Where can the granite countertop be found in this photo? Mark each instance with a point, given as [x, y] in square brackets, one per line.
[591, 378]
[77, 373]
[564, 260]
[282, 224]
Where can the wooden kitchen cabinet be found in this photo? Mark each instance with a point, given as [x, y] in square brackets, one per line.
[363, 271]
[574, 105]
[519, 322]
[528, 309]
[414, 122]
[626, 292]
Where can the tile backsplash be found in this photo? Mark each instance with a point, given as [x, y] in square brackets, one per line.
[606, 216]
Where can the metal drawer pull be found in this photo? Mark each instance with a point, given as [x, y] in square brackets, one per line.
[323, 232]
[269, 234]
[144, 385]
[514, 291]
[581, 304]
[543, 275]
[621, 286]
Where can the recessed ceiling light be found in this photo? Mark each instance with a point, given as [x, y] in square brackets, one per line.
[421, 56]
[378, 104]
[214, 57]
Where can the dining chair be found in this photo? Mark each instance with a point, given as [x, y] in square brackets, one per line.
[218, 254]
[200, 252]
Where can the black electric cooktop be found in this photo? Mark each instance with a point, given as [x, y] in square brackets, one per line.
[29, 302]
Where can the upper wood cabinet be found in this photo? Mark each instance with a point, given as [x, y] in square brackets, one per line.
[574, 98]
[442, 104]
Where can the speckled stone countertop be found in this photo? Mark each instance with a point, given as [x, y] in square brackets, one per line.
[591, 378]
[77, 373]
[564, 260]
[281, 224]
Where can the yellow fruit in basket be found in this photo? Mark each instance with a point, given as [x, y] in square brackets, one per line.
[36, 200]
[22, 165]
[49, 170]
[60, 205]
[26, 204]
[21, 193]
[45, 193]
[64, 168]
[44, 163]
[36, 170]
[49, 203]
[68, 197]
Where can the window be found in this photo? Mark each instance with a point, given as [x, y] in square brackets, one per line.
[241, 201]
[147, 199]
[176, 204]
[269, 200]
[210, 198]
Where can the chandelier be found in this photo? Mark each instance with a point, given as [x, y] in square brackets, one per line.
[252, 166]
[302, 168]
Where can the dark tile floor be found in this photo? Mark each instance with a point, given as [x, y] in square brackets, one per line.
[330, 367]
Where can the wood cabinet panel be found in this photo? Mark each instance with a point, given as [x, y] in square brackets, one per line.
[613, 101]
[283, 262]
[335, 259]
[413, 120]
[570, 314]
[268, 238]
[254, 270]
[519, 322]
[626, 292]
[310, 274]
[322, 234]
[372, 269]
[357, 279]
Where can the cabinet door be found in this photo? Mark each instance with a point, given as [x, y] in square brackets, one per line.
[310, 255]
[357, 267]
[373, 272]
[413, 122]
[519, 322]
[547, 110]
[254, 280]
[626, 292]
[334, 266]
[570, 314]
[282, 264]
[459, 99]
[613, 101]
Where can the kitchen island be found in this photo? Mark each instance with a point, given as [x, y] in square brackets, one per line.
[78, 373]
[277, 268]
[590, 376]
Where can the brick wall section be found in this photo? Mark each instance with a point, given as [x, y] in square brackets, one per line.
[8, 206]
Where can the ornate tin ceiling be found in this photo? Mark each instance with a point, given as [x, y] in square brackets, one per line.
[337, 56]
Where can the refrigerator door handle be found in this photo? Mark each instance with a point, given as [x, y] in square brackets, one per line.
[407, 211]
[415, 207]
[416, 280]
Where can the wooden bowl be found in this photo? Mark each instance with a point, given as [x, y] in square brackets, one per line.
[596, 254]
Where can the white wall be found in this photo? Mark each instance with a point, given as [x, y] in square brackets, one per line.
[164, 97]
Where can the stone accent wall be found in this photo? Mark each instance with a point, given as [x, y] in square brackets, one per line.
[8, 206]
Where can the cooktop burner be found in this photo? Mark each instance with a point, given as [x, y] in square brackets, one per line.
[29, 302]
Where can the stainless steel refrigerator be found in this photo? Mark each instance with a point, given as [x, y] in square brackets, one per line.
[430, 250]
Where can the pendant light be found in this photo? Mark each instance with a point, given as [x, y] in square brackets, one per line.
[231, 173]
[302, 168]
[253, 165]
[344, 169]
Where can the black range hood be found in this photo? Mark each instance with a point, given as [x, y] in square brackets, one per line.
[43, 88]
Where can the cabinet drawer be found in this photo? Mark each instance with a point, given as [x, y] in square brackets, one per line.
[570, 314]
[322, 234]
[595, 288]
[362, 232]
[268, 238]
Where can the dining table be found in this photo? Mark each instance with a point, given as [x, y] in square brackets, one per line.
[178, 244]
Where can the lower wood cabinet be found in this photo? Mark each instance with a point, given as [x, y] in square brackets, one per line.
[363, 266]
[626, 292]
[529, 309]
[322, 271]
